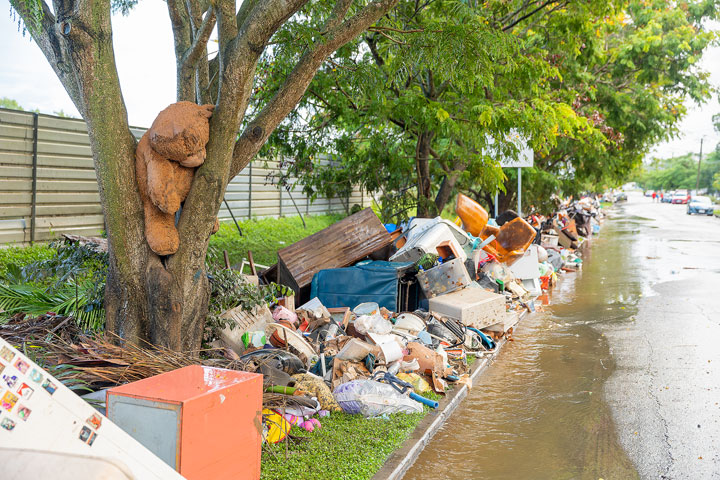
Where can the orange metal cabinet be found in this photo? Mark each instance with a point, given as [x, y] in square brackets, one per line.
[204, 422]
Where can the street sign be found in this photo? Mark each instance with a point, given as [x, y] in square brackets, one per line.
[525, 156]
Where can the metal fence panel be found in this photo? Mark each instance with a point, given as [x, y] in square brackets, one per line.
[48, 185]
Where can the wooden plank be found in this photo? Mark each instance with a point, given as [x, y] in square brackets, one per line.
[338, 245]
[45, 185]
[47, 173]
[63, 136]
[74, 150]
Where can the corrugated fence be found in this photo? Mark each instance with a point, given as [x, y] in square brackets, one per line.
[48, 186]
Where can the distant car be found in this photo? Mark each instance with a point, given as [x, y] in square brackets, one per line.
[681, 196]
[667, 197]
[701, 205]
[648, 193]
[622, 196]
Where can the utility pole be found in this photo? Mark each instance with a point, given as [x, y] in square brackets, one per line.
[697, 180]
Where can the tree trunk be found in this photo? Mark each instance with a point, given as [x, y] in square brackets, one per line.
[164, 300]
[425, 203]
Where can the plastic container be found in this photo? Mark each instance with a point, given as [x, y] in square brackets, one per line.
[474, 217]
[354, 350]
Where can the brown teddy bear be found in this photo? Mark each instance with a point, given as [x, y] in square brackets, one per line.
[165, 161]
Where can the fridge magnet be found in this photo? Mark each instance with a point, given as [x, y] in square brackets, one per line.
[49, 386]
[36, 376]
[95, 421]
[8, 401]
[10, 380]
[87, 435]
[22, 365]
[25, 391]
[6, 354]
[23, 412]
[7, 424]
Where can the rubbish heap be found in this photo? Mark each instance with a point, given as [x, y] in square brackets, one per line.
[388, 313]
[381, 319]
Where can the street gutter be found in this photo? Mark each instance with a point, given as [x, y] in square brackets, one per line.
[403, 458]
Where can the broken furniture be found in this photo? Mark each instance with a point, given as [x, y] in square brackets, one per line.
[390, 284]
[511, 240]
[474, 217]
[202, 421]
[339, 245]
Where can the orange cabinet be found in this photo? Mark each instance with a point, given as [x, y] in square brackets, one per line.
[204, 422]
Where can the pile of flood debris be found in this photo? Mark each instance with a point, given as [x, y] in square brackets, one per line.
[383, 319]
[383, 314]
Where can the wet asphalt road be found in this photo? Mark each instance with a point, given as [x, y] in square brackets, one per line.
[619, 377]
[665, 391]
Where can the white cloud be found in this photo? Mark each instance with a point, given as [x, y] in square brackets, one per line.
[143, 51]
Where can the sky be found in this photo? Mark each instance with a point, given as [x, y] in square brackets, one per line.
[147, 75]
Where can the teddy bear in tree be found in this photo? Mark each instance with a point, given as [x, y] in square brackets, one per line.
[165, 162]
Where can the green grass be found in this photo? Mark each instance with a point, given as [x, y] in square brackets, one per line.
[606, 204]
[265, 237]
[22, 256]
[346, 447]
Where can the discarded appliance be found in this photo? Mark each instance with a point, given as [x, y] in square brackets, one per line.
[44, 421]
[526, 269]
[473, 306]
[444, 278]
[202, 421]
[338, 245]
[436, 236]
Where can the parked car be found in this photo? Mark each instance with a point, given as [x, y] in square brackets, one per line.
[648, 193]
[700, 204]
[667, 196]
[681, 196]
[621, 196]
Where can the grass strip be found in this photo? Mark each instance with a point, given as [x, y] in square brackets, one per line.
[264, 237]
[347, 447]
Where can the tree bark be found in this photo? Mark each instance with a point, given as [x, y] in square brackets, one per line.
[425, 203]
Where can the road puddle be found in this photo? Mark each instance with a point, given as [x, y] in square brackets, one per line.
[539, 411]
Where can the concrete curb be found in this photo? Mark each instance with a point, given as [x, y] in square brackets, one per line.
[403, 458]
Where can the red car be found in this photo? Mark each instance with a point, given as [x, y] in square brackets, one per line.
[681, 196]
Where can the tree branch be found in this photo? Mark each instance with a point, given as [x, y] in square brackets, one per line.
[298, 81]
[199, 44]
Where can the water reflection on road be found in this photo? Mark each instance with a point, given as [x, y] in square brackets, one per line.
[539, 412]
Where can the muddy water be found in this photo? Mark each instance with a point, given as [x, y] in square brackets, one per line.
[538, 412]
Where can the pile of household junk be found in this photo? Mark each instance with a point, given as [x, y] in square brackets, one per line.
[388, 313]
